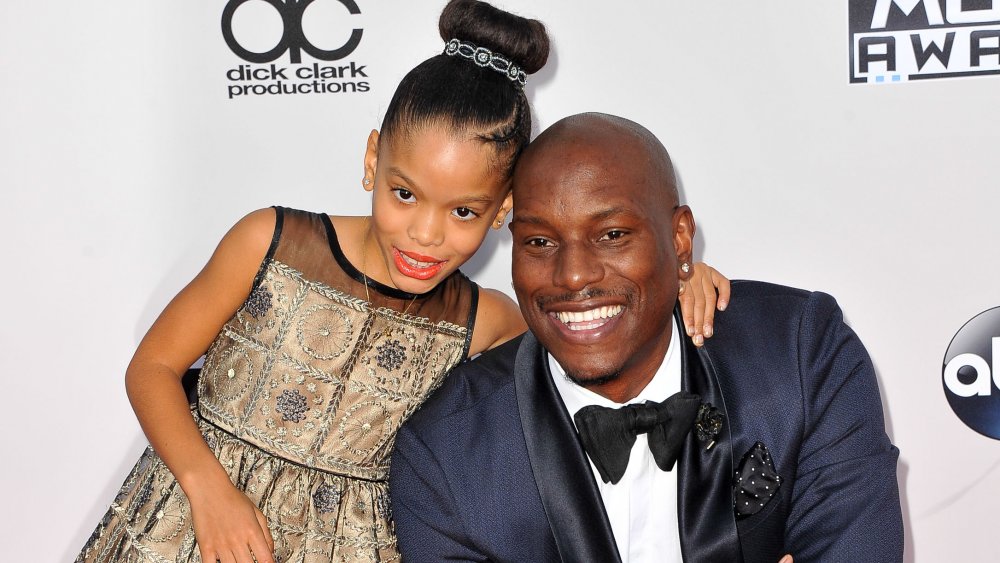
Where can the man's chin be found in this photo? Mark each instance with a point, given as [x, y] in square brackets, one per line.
[592, 380]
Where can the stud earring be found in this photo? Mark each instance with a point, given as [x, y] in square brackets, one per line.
[366, 182]
[686, 268]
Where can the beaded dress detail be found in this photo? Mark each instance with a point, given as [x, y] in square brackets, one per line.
[300, 398]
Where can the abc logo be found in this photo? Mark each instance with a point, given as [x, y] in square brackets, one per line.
[972, 373]
[293, 38]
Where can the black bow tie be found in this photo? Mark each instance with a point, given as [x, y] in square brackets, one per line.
[608, 434]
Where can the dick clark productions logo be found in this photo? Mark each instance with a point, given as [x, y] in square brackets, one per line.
[972, 373]
[266, 78]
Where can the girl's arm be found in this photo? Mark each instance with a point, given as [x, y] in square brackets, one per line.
[227, 525]
[499, 319]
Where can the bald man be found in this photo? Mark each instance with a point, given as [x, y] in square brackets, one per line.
[601, 436]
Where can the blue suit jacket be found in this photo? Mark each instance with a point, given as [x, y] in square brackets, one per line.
[491, 468]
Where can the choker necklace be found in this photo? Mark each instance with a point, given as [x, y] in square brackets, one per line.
[364, 269]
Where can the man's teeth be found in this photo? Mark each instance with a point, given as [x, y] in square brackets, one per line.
[600, 313]
[416, 263]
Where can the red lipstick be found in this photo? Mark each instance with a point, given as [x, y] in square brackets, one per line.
[416, 266]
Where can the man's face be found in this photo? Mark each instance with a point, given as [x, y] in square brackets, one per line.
[594, 260]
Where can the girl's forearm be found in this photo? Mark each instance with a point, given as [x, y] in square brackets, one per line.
[162, 408]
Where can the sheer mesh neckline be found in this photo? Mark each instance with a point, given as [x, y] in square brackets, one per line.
[356, 274]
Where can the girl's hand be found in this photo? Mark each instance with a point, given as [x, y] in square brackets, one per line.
[704, 291]
[228, 527]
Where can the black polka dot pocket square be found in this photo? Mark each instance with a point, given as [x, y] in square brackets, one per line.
[755, 482]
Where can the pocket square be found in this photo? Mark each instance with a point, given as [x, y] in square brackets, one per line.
[755, 483]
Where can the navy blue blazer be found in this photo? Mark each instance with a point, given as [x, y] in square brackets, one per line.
[491, 467]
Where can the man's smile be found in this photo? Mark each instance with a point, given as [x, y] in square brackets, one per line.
[589, 319]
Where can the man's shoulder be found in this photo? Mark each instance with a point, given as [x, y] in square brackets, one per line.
[475, 384]
[762, 290]
[775, 322]
[759, 302]
[770, 332]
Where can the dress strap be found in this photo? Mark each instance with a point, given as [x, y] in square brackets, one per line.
[279, 222]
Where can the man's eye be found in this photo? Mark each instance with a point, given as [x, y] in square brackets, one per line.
[465, 214]
[404, 195]
[539, 243]
[613, 235]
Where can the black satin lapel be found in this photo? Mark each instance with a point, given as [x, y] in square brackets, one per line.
[704, 496]
[562, 472]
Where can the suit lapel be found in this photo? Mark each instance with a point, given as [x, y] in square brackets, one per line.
[704, 496]
[562, 472]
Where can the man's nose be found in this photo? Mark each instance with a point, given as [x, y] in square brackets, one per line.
[576, 267]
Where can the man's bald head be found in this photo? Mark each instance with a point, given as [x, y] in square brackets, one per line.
[604, 138]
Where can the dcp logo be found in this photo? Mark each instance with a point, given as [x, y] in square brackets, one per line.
[293, 39]
[972, 373]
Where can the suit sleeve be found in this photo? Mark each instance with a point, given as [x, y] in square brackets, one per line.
[427, 521]
[845, 499]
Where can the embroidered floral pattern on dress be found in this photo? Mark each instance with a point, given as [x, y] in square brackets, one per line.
[167, 520]
[292, 405]
[391, 355]
[324, 332]
[259, 302]
[326, 499]
[228, 373]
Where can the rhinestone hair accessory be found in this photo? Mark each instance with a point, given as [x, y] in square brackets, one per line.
[485, 58]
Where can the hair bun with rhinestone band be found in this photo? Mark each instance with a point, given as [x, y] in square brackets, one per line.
[487, 59]
[475, 86]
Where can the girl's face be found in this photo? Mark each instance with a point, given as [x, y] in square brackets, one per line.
[435, 195]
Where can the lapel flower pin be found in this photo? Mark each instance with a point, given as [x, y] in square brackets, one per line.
[708, 424]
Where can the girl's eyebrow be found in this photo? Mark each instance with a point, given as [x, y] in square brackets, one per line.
[485, 199]
[397, 172]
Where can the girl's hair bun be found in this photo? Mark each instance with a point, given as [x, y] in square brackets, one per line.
[522, 40]
[470, 99]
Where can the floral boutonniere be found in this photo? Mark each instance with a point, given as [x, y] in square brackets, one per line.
[708, 424]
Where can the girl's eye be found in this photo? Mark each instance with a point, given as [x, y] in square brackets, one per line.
[404, 195]
[465, 214]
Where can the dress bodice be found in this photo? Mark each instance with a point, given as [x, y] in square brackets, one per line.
[312, 371]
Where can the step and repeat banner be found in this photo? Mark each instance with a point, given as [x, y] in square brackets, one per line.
[848, 147]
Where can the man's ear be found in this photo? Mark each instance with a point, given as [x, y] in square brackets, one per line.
[505, 207]
[371, 161]
[684, 229]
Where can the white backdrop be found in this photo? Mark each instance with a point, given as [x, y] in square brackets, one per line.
[122, 163]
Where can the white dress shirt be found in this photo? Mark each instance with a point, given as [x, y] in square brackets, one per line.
[642, 507]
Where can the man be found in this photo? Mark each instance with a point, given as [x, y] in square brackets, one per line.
[768, 440]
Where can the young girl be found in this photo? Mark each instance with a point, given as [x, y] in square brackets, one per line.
[323, 334]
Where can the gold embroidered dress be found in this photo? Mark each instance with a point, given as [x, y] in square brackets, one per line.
[300, 398]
